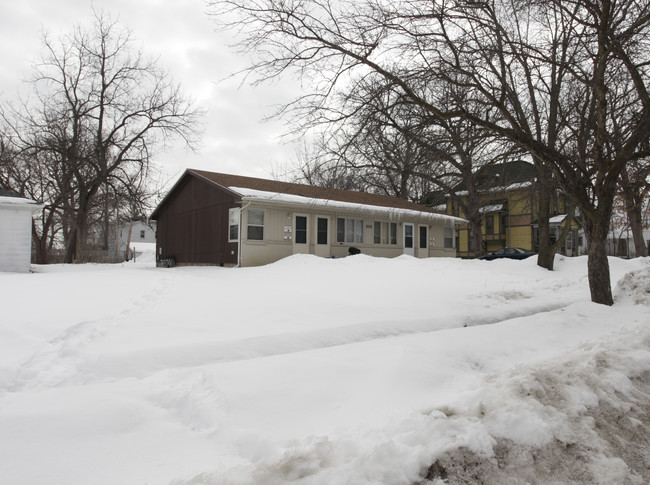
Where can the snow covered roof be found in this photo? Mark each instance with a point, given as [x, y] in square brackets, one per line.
[252, 194]
[274, 191]
[490, 208]
[557, 219]
[499, 188]
[9, 197]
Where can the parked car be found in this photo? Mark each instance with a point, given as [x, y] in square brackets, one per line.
[509, 253]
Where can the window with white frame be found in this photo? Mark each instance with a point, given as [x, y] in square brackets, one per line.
[449, 238]
[255, 230]
[385, 232]
[349, 230]
[233, 224]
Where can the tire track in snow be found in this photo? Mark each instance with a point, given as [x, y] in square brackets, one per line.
[143, 363]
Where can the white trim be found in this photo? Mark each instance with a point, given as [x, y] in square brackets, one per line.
[238, 215]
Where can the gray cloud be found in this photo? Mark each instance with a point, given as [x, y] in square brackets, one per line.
[183, 37]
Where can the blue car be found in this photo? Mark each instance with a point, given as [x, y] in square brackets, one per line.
[508, 253]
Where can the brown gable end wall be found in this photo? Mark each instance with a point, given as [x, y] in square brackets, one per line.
[192, 224]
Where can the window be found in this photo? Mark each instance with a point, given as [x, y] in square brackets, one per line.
[142, 234]
[470, 242]
[255, 225]
[233, 224]
[321, 231]
[301, 230]
[349, 230]
[408, 235]
[423, 237]
[449, 238]
[489, 225]
[385, 232]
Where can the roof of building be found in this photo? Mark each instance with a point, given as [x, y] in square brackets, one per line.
[9, 197]
[516, 174]
[9, 193]
[269, 189]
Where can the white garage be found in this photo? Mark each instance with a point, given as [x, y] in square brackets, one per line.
[15, 231]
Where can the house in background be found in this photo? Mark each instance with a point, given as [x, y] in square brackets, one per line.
[509, 212]
[130, 233]
[16, 231]
[620, 241]
[229, 220]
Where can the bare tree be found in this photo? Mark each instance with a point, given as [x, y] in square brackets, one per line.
[506, 53]
[634, 190]
[99, 110]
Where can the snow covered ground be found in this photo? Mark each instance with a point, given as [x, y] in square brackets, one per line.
[313, 371]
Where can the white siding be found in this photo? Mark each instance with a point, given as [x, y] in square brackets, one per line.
[279, 234]
[15, 237]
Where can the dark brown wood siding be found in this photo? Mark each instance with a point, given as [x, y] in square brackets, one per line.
[193, 224]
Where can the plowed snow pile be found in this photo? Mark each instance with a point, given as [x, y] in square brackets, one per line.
[311, 371]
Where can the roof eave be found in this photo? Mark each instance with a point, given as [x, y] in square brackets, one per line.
[373, 209]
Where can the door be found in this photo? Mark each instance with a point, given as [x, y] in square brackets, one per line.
[322, 237]
[300, 235]
[409, 246]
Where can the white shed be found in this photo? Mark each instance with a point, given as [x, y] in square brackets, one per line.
[15, 231]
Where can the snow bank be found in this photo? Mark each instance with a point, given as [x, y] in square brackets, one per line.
[635, 286]
[313, 371]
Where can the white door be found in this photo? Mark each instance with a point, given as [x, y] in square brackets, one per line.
[409, 242]
[322, 237]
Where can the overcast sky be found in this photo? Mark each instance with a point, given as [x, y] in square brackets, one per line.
[235, 139]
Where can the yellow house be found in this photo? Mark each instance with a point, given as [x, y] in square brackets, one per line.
[509, 212]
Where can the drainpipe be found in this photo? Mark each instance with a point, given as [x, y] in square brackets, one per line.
[239, 229]
[508, 242]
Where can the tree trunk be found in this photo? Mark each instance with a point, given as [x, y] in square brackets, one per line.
[71, 247]
[597, 264]
[633, 198]
[635, 219]
[546, 254]
[474, 217]
[128, 240]
[40, 246]
[76, 239]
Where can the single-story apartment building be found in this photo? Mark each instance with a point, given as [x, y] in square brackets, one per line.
[16, 231]
[230, 220]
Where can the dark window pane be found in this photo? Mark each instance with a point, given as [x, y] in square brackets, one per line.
[301, 230]
[408, 236]
[340, 230]
[393, 232]
[256, 233]
[322, 231]
[423, 237]
[489, 224]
